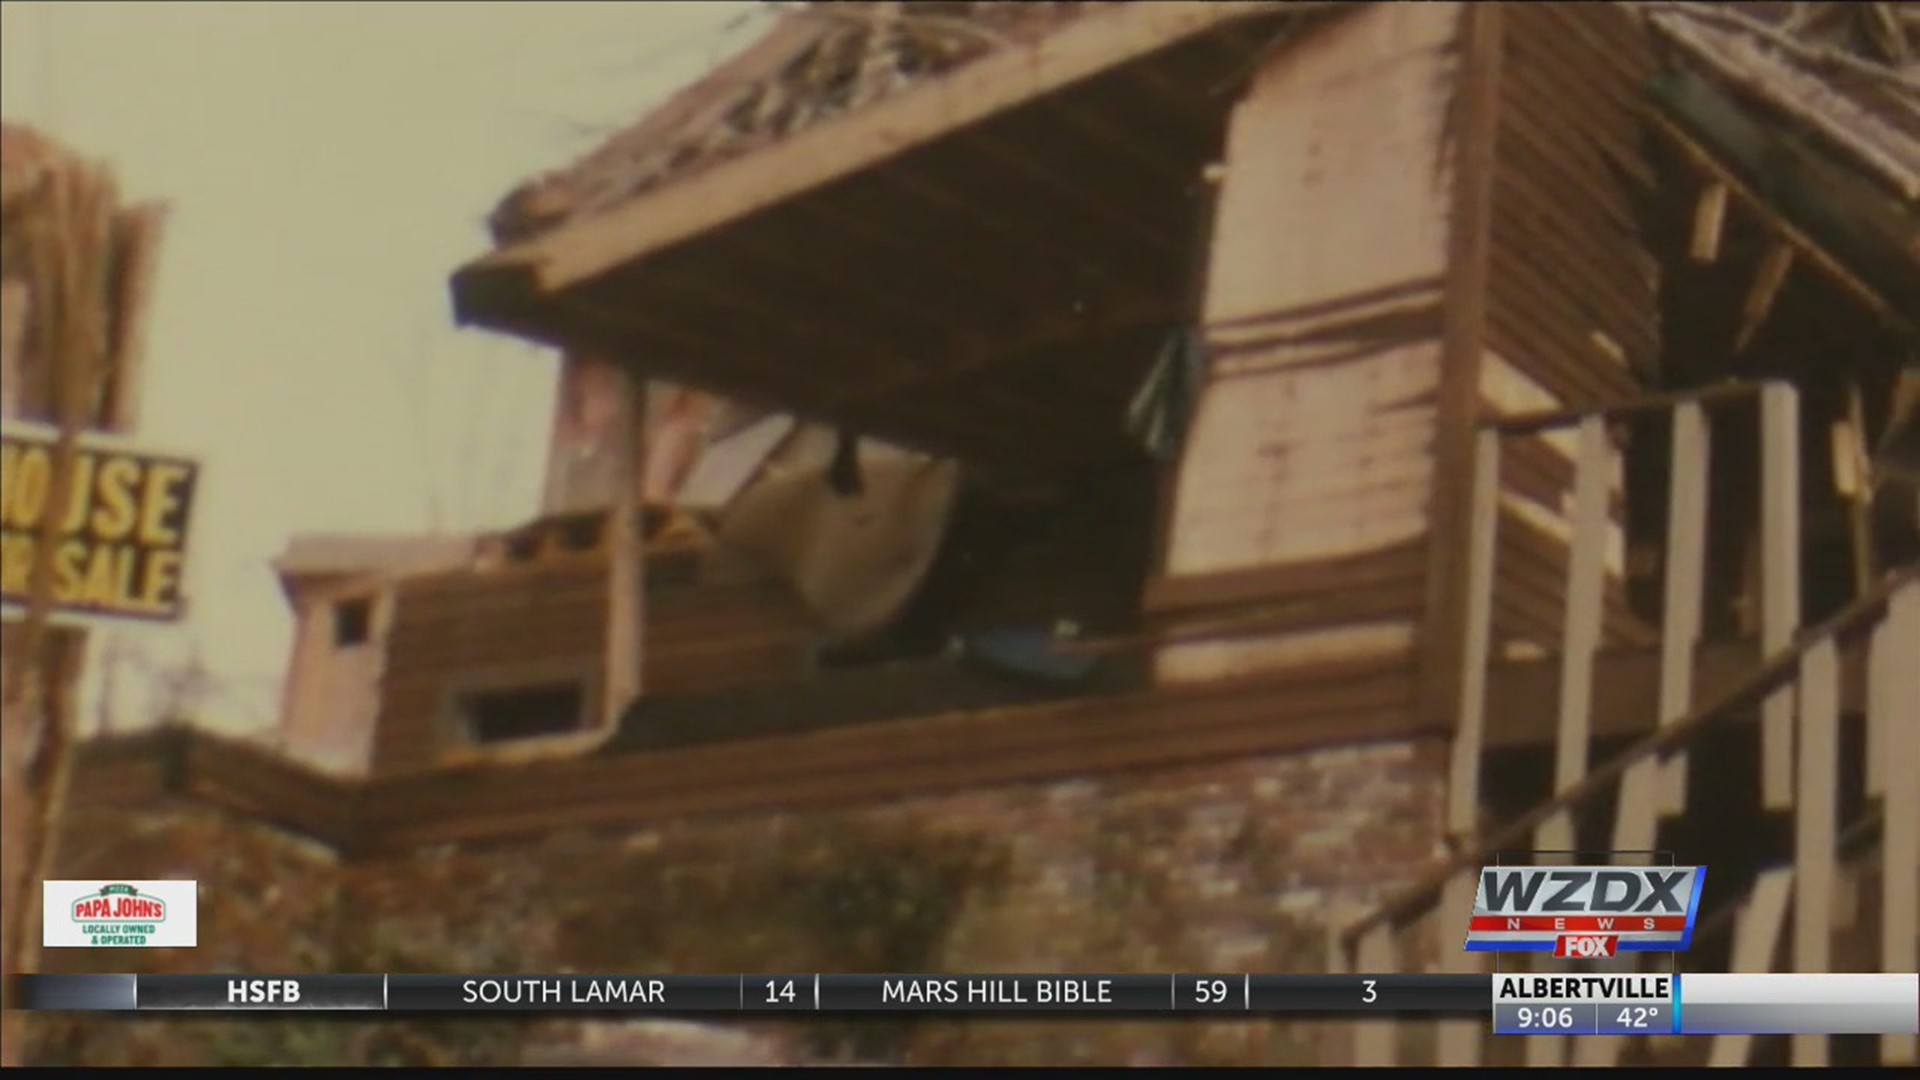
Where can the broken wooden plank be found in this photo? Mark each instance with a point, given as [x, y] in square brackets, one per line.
[1709, 221]
[1767, 281]
[1780, 577]
[1816, 825]
[1853, 471]
[1580, 634]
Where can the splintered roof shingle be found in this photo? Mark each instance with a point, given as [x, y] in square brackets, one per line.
[816, 62]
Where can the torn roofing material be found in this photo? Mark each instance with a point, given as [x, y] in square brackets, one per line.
[815, 61]
[1847, 73]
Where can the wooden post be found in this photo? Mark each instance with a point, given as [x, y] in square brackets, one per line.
[1816, 824]
[626, 550]
[1460, 1041]
[68, 246]
[1579, 640]
[1463, 787]
[1898, 723]
[1475, 123]
[1580, 634]
[1779, 578]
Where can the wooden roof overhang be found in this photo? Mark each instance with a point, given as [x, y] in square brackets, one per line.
[983, 264]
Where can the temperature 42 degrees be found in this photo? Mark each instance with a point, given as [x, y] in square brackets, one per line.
[1635, 1020]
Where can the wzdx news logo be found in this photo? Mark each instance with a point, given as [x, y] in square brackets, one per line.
[1585, 912]
[120, 914]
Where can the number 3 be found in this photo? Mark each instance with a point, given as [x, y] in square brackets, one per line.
[1367, 995]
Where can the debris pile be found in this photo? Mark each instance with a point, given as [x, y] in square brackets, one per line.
[1847, 73]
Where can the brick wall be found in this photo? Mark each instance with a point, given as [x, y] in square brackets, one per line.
[1235, 867]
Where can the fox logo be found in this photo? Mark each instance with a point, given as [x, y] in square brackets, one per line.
[1585, 946]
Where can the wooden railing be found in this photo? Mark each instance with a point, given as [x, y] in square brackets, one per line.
[1799, 677]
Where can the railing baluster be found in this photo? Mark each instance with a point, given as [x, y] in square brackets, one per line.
[1580, 634]
[1816, 825]
[1685, 571]
[1463, 785]
[1652, 787]
[1779, 577]
[1898, 721]
[1459, 1042]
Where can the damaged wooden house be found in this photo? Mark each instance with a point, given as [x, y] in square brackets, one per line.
[958, 396]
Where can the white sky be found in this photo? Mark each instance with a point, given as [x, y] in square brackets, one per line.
[328, 165]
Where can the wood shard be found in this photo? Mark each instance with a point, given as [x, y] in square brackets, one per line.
[1709, 221]
[1766, 286]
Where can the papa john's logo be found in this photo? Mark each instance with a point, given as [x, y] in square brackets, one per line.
[118, 914]
[120, 904]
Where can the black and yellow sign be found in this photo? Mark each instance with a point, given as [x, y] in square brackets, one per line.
[122, 549]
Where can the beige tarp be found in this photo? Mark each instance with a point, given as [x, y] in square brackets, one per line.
[854, 559]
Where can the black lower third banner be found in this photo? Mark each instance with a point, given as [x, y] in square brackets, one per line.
[1459, 995]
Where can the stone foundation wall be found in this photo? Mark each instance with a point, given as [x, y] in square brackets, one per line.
[1232, 867]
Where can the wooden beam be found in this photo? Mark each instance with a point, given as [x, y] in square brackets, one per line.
[1780, 577]
[1803, 244]
[1709, 222]
[862, 140]
[1816, 826]
[1469, 738]
[1474, 122]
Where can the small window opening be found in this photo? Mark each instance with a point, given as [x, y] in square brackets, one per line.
[527, 712]
[352, 623]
